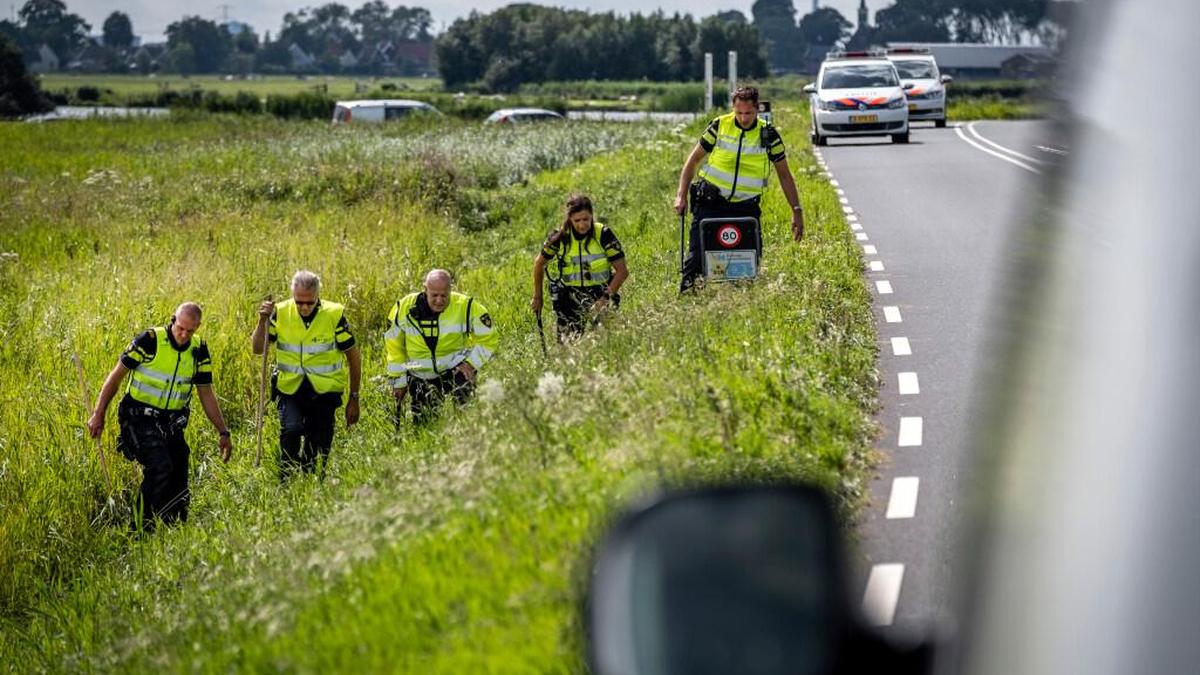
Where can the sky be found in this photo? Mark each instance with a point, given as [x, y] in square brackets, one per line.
[151, 17]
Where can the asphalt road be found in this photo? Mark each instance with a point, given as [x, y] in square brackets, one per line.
[939, 213]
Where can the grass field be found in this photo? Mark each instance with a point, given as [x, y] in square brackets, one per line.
[459, 548]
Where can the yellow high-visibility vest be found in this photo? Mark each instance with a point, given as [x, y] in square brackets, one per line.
[738, 163]
[309, 351]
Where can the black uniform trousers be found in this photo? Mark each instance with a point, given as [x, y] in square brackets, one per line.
[693, 266]
[154, 438]
[572, 304]
[306, 421]
[427, 396]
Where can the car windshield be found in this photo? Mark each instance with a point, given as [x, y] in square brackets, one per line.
[859, 76]
[916, 70]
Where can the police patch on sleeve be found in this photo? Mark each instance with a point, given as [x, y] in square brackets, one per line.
[486, 320]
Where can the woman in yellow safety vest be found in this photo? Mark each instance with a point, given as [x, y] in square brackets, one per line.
[587, 268]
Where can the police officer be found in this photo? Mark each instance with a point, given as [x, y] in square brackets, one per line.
[740, 148]
[437, 340]
[313, 346]
[167, 364]
[588, 268]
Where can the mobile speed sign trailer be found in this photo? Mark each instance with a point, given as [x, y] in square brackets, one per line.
[730, 248]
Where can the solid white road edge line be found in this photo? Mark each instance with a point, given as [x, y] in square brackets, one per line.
[975, 132]
[978, 146]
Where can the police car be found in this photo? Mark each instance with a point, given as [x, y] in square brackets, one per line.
[858, 94]
[927, 97]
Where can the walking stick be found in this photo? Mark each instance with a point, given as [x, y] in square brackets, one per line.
[682, 218]
[87, 406]
[262, 393]
[541, 334]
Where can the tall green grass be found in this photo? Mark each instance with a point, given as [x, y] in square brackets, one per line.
[457, 548]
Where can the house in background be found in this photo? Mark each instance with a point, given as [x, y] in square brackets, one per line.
[46, 62]
[982, 61]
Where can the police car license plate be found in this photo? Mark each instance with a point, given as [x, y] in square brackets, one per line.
[863, 119]
[912, 106]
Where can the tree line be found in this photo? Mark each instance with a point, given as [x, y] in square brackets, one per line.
[330, 38]
[533, 43]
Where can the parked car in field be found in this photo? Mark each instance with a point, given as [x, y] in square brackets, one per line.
[381, 110]
[858, 94]
[927, 97]
[522, 116]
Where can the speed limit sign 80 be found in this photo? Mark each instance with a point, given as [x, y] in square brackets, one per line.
[729, 236]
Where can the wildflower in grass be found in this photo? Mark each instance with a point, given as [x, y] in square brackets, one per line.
[491, 391]
[550, 387]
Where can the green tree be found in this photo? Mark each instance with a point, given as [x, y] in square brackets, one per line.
[776, 22]
[914, 21]
[49, 22]
[182, 59]
[826, 26]
[210, 44]
[118, 31]
[19, 91]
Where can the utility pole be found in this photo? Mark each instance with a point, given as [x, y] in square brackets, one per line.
[732, 72]
[224, 13]
[708, 81]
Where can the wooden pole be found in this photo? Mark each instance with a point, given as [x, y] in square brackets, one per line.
[262, 393]
[87, 406]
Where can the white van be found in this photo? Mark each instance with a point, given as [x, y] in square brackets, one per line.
[383, 110]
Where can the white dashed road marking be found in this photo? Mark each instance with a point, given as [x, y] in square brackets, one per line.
[847, 210]
[861, 236]
[883, 286]
[910, 432]
[900, 347]
[903, 502]
[883, 590]
[876, 265]
[856, 227]
[869, 249]
[892, 315]
[908, 383]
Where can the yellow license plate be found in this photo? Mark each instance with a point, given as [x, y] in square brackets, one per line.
[912, 106]
[863, 119]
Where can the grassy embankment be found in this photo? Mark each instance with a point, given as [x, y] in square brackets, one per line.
[459, 548]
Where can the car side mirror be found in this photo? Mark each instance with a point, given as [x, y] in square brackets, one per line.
[810, 88]
[713, 580]
[745, 579]
[946, 79]
[909, 85]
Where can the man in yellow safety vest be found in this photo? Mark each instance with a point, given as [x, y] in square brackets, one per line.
[436, 341]
[167, 364]
[314, 349]
[740, 148]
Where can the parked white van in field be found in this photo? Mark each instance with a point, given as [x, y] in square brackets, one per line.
[383, 110]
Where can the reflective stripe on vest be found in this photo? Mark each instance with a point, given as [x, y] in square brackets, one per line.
[452, 331]
[738, 164]
[581, 264]
[309, 352]
[165, 382]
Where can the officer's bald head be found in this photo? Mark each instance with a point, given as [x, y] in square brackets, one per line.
[185, 322]
[437, 289]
